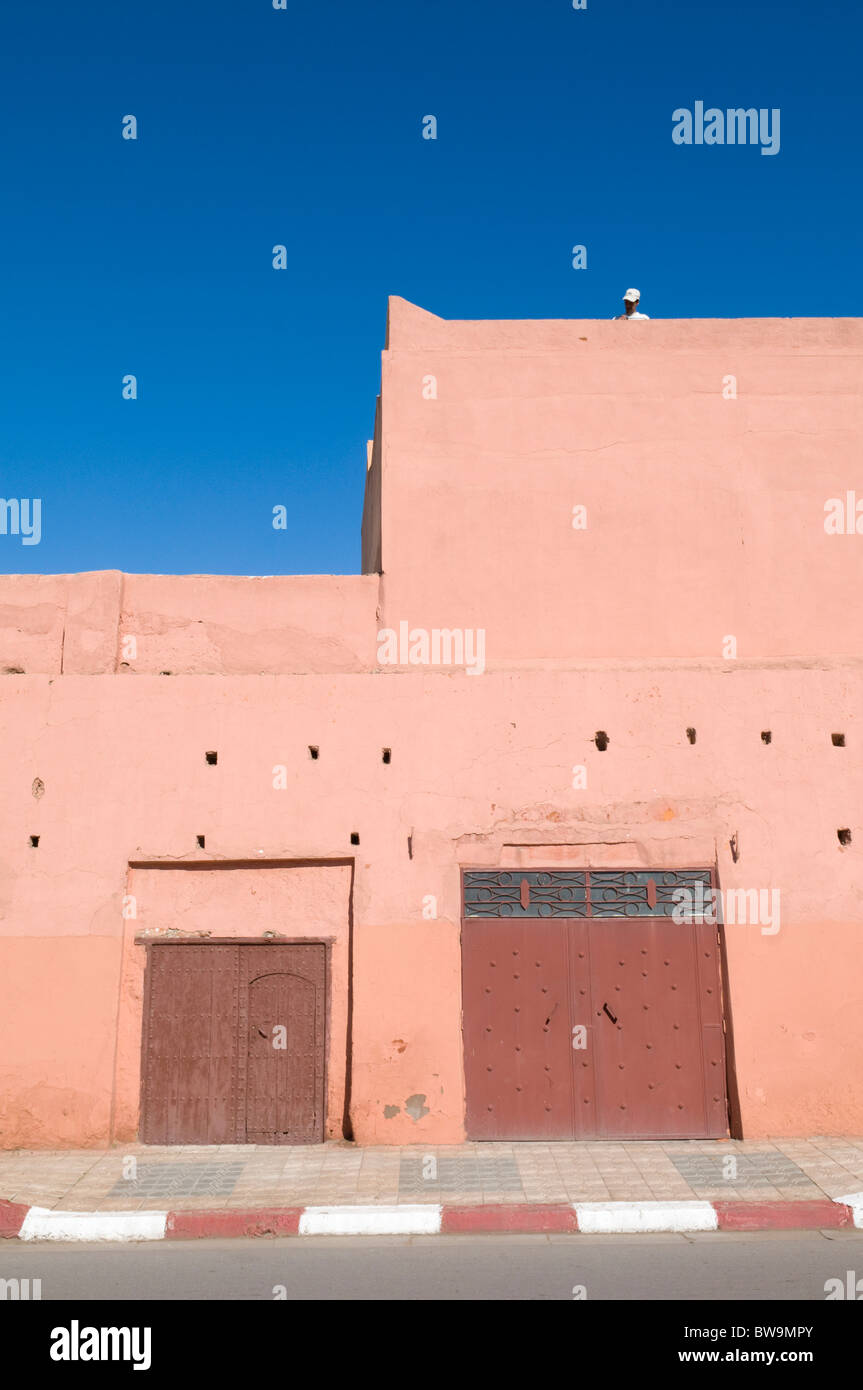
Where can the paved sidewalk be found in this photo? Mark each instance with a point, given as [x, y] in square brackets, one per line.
[140, 1178]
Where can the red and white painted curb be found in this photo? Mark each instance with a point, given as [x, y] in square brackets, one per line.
[425, 1219]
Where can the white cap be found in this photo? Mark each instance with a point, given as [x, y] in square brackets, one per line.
[632, 296]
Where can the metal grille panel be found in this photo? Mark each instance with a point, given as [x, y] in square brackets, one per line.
[650, 893]
[596, 893]
[525, 894]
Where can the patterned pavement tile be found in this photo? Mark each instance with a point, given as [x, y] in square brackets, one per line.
[179, 1180]
[751, 1170]
[444, 1173]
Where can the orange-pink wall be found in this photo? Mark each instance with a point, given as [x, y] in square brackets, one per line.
[477, 491]
[106, 622]
[705, 514]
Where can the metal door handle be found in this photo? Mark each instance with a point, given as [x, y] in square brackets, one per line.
[607, 1010]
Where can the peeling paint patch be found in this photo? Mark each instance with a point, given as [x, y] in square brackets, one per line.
[390, 1111]
[416, 1106]
[399, 1044]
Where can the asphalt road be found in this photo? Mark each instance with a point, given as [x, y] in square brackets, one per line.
[786, 1265]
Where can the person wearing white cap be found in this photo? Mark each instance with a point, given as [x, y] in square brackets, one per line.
[630, 300]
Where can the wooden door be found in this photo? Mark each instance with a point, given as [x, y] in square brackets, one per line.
[234, 1041]
[189, 1045]
[284, 1034]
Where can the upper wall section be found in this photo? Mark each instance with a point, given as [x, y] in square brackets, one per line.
[576, 489]
[371, 527]
[703, 453]
[105, 621]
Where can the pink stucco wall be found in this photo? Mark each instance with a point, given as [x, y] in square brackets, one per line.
[83, 624]
[702, 522]
[705, 515]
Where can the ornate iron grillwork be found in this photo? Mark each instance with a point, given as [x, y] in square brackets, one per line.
[566, 893]
[647, 893]
[525, 894]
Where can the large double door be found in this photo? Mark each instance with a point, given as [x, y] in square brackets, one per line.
[234, 1043]
[589, 1011]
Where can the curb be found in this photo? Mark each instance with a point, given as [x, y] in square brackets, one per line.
[12, 1216]
[588, 1218]
[533, 1219]
[818, 1215]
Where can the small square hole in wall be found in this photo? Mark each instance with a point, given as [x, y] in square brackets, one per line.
[690, 734]
[387, 755]
[355, 839]
[601, 740]
[844, 837]
[766, 736]
[200, 841]
[212, 758]
[34, 841]
[314, 750]
[838, 740]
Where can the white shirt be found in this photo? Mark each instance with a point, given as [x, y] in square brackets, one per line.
[635, 315]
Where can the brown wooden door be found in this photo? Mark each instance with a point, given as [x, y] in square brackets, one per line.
[208, 1074]
[189, 1045]
[284, 1084]
[603, 1024]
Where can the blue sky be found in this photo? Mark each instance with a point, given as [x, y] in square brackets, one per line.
[303, 127]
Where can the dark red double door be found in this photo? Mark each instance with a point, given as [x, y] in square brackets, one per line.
[593, 1028]
[233, 1043]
